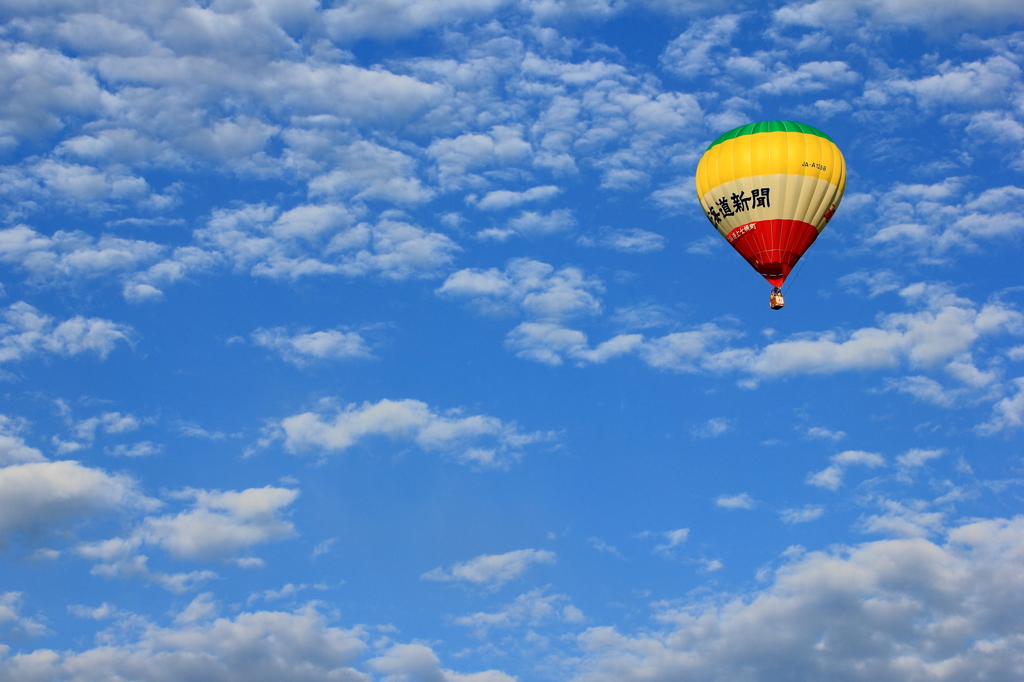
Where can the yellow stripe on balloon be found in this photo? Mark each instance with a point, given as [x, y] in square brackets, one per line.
[774, 153]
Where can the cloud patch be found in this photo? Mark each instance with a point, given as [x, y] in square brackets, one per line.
[25, 331]
[957, 614]
[477, 440]
[303, 348]
[492, 570]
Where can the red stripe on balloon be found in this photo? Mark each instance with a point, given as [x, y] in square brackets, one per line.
[772, 247]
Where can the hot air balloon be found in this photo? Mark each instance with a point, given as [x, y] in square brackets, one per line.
[770, 188]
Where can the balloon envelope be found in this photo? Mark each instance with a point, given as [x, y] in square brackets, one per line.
[770, 188]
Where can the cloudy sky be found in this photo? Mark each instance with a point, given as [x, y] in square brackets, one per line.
[385, 340]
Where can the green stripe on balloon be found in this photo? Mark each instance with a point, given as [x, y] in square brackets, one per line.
[770, 127]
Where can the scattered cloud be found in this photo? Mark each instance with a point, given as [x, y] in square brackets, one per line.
[25, 331]
[938, 332]
[626, 240]
[277, 645]
[713, 428]
[218, 526]
[532, 224]
[409, 662]
[807, 619]
[809, 512]
[1008, 413]
[532, 287]
[673, 538]
[903, 519]
[43, 496]
[602, 546]
[477, 440]
[13, 449]
[532, 609]
[12, 623]
[503, 198]
[825, 434]
[831, 478]
[301, 349]
[741, 501]
[492, 570]
[917, 457]
[144, 448]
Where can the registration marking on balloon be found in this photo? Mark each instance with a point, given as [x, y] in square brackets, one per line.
[770, 188]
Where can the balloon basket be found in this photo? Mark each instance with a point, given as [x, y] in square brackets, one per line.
[775, 300]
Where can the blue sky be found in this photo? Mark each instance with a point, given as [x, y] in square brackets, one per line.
[386, 340]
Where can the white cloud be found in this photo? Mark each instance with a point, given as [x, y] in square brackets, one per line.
[117, 561]
[917, 457]
[307, 240]
[877, 283]
[203, 607]
[705, 246]
[42, 496]
[907, 519]
[302, 348]
[825, 434]
[536, 288]
[492, 570]
[13, 449]
[630, 240]
[644, 316]
[218, 526]
[832, 477]
[532, 223]
[503, 198]
[602, 546]
[673, 538]
[936, 220]
[478, 440]
[109, 422]
[926, 389]
[144, 448]
[71, 255]
[366, 171]
[943, 19]
[531, 608]
[260, 646]
[939, 331]
[983, 84]
[11, 620]
[364, 18]
[713, 428]
[1008, 413]
[49, 86]
[809, 77]
[140, 265]
[849, 613]
[548, 343]
[286, 590]
[253, 238]
[193, 430]
[221, 523]
[809, 512]
[741, 501]
[101, 612]
[86, 186]
[456, 157]
[419, 663]
[25, 331]
[323, 547]
[696, 51]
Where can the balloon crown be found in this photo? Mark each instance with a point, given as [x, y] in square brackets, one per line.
[770, 127]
